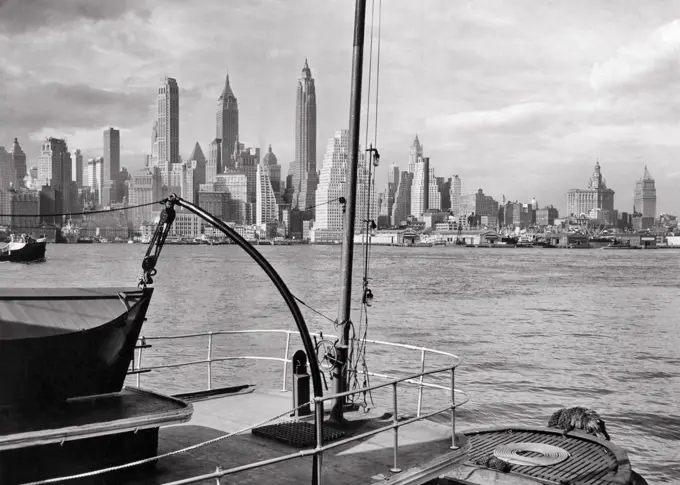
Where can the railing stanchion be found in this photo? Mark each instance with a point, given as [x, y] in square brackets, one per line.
[420, 387]
[285, 364]
[210, 342]
[139, 363]
[318, 454]
[453, 409]
[395, 419]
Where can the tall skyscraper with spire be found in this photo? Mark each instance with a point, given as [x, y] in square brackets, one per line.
[303, 168]
[167, 127]
[227, 124]
[644, 203]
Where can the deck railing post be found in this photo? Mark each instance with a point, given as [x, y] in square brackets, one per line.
[285, 364]
[453, 409]
[318, 454]
[395, 419]
[420, 389]
[210, 341]
[139, 363]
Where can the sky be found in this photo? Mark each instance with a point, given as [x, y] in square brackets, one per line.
[517, 97]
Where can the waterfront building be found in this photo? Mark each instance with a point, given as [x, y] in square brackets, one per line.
[303, 169]
[580, 202]
[546, 216]
[478, 204]
[644, 204]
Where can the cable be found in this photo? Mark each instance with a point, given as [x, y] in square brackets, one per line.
[314, 310]
[323, 203]
[116, 209]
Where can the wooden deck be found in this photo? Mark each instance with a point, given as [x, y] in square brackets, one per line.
[424, 452]
[592, 461]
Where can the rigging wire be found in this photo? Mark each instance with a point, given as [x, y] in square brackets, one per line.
[357, 355]
[101, 211]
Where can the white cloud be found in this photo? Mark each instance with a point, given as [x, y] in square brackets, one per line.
[643, 65]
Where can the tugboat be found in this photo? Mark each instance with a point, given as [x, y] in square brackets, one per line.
[23, 249]
[70, 232]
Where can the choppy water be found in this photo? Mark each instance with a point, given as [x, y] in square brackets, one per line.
[537, 329]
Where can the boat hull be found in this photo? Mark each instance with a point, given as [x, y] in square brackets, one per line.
[30, 252]
[85, 349]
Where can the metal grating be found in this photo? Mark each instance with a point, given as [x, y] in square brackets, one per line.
[590, 463]
[299, 434]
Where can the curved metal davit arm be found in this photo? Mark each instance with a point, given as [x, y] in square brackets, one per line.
[276, 279]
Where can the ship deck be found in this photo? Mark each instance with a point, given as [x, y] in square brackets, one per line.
[423, 448]
[591, 461]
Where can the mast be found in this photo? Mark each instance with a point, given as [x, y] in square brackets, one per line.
[345, 305]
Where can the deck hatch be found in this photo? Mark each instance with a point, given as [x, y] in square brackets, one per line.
[589, 463]
[299, 434]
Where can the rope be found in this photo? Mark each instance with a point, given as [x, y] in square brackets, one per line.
[315, 310]
[128, 207]
[165, 455]
[323, 203]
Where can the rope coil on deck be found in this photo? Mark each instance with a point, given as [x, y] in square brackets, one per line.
[514, 453]
[165, 455]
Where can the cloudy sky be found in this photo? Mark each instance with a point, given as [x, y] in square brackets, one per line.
[518, 97]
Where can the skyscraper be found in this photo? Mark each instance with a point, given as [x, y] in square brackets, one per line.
[167, 127]
[54, 169]
[77, 167]
[111, 154]
[111, 166]
[455, 195]
[267, 209]
[644, 204]
[596, 202]
[329, 214]
[18, 163]
[227, 123]
[420, 191]
[303, 169]
[270, 161]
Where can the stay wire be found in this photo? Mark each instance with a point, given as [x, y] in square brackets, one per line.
[101, 211]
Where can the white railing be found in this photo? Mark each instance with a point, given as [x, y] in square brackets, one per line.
[285, 360]
[318, 451]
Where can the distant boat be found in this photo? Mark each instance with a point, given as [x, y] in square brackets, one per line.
[70, 232]
[85, 240]
[59, 343]
[23, 249]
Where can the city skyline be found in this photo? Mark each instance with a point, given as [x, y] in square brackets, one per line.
[523, 122]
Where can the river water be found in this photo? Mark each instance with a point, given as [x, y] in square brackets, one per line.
[537, 329]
